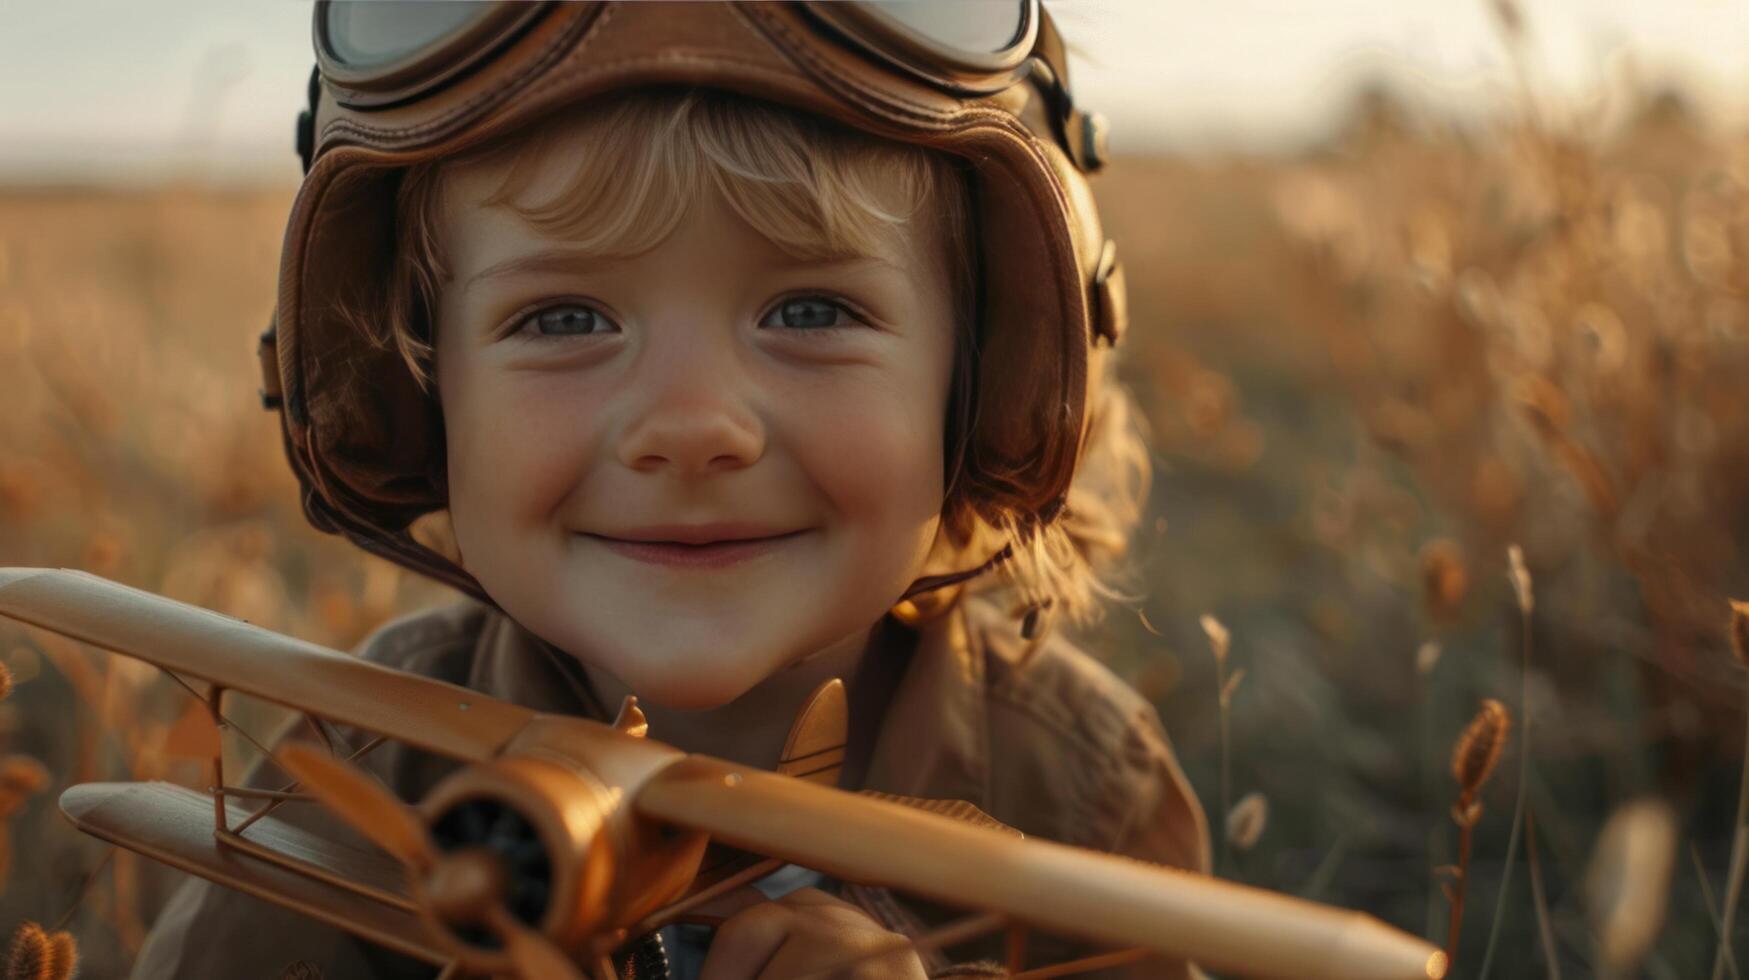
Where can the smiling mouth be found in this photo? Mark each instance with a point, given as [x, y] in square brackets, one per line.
[689, 554]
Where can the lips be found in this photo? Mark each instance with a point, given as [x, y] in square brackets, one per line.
[697, 534]
[694, 546]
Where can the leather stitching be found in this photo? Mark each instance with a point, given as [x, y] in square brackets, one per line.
[824, 76]
[553, 53]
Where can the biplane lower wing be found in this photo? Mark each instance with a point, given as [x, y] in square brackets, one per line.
[355, 890]
[232, 654]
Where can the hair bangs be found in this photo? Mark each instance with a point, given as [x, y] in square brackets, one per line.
[635, 168]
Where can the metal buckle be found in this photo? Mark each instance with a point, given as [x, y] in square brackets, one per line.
[272, 396]
[1111, 312]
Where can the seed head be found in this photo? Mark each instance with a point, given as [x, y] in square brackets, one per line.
[1219, 638]
[1479, 748]
[21, 775]
[1427, 657]
[28, 958]
[1627, 886]
[39, 955]
[5, 681]
[63, 956]
[1245, 822]
[1740, 631]
[1520, 578]
[1544, 405]
[1444, 580]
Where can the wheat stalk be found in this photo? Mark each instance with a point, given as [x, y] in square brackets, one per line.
[1220, 641]
[1712, 908]
[1473, 759]
[1739, 630]
[1521, 588]
[1544, 930]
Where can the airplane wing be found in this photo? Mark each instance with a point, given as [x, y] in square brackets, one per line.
[357, 890]
[195, 642]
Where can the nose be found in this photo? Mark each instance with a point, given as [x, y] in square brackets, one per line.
[692, 420]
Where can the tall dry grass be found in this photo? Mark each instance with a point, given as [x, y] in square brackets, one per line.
[133, 445]
[1368, 371]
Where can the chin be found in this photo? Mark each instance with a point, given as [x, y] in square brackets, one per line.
[687, 670]
[683, 689]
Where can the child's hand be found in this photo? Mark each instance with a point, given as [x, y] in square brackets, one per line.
[806, 933]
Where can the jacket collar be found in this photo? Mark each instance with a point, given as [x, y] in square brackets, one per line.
[933, 740]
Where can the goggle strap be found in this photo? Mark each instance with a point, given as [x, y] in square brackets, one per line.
[1051, 48]
[306, 130]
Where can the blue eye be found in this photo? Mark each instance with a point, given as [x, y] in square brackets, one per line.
[807, 313]
[566, 320]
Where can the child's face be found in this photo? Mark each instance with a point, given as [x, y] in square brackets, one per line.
[612, 422]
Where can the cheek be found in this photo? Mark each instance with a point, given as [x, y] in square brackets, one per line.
[874, 449]
[517, 444]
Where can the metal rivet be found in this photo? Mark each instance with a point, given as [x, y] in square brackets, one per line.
[463, 706]
[732, 779]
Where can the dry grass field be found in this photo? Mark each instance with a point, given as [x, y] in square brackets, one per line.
[1369, 371]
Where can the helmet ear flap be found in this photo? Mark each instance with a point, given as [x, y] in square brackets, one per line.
[961, 427]
[1032, 348]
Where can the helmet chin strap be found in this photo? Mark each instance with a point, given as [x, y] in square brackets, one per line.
[930, 583]
[1034, 616]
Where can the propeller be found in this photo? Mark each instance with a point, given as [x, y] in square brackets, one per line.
[363, 804]
[464, 887]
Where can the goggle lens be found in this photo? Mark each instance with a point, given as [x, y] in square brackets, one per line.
[972, 26]
[367, 36]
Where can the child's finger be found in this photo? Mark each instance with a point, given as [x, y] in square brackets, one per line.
[813, 896]
[727, 905]
[747, 941]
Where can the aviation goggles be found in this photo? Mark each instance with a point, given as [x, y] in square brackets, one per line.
[379, 55]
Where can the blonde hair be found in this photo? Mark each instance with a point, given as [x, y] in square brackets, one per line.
[816, 190]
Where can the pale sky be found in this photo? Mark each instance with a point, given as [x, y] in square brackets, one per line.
[101, 89]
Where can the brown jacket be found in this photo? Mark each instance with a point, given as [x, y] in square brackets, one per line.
[1059, 748]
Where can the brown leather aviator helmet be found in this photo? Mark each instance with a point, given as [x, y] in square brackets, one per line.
[400, 84]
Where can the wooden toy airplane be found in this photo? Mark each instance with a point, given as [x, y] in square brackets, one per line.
[618, 823]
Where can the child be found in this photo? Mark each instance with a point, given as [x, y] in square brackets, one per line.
[716, 352]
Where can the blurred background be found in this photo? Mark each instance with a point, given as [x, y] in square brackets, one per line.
[1413, 282]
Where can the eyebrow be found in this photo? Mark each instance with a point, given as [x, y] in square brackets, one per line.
[569, 260]
[551, 260]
